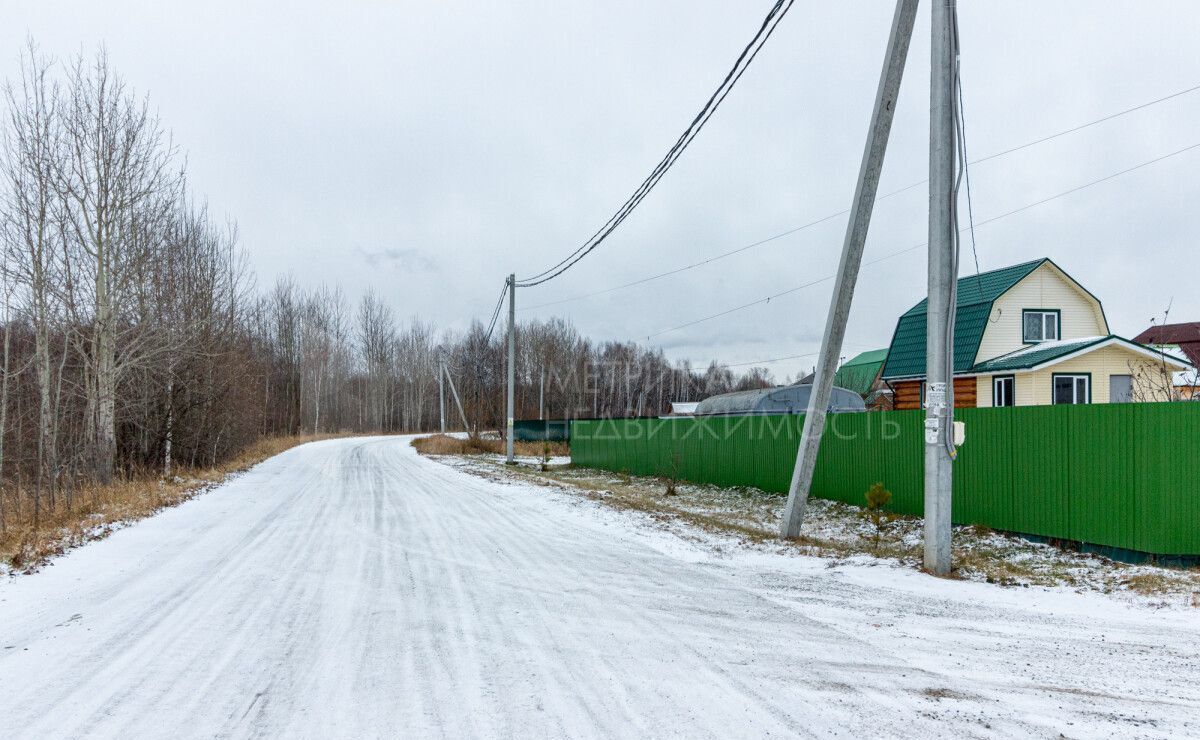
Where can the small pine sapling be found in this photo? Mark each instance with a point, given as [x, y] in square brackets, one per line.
[878, 498]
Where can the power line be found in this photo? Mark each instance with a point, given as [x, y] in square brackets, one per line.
[768, 362]
[1025, 207]
[714, 258]
[823, 219]
[769, 24]
[496, 311]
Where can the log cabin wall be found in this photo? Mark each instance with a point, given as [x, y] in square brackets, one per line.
[908, 394]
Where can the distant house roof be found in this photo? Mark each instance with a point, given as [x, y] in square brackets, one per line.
[1047, 353]
[684, 408]
[1184, 336]
[976, 294]
[858, 374]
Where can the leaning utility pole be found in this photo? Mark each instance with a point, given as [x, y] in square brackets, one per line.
[512, 359]
[457, 401]
[939, 355]
[852, 251]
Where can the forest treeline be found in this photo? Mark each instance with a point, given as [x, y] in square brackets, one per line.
[136, 339]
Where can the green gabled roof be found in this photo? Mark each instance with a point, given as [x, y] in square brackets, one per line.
[1027, 357]
[976, 294]
[858, 373]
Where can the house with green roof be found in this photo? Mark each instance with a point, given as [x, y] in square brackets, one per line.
[1027, 335]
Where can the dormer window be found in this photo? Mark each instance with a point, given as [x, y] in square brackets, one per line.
[1040, 325]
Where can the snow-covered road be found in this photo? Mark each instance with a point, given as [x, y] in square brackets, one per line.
[351, 589]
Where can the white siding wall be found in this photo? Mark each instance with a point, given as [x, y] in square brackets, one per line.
[983, 391]
[1045, 287]
[1036, 388]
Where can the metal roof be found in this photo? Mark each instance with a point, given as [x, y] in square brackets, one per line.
[1028, 358]
[976, 294]
[1185, 336]
[858, 373]
[792, 399]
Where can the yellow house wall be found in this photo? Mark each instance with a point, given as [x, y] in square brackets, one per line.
[1036, 388]
[1045, 287]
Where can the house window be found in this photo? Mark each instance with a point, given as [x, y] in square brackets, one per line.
[1040, 326]
[1003, 390]
[1072, 389]
[1120, 388]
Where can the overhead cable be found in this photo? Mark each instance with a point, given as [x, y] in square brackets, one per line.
[768, 299]
[769, 24]
[810, 224]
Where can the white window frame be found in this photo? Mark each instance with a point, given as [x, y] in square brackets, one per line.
[1042, 313]
[1075, 378]
[1012, 392]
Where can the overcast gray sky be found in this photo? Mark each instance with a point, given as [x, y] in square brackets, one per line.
[430, 148]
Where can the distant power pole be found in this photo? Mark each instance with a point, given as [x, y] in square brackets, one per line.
[442, 395]
[542, 395]
[512, 360]
[939, 354]
[852, 251]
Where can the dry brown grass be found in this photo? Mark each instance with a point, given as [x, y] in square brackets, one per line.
[95, 510]
[441, 444]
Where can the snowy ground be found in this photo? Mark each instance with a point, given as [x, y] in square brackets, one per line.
[750, 518]
[350, 588]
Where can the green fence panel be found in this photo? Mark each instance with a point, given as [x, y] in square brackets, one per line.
[1117, 475]
[1100, 460]
[1167, 486]
[1040, 474]
[983, 471]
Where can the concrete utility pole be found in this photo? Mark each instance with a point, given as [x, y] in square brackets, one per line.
[457, 401]
[442, 395]
[852, 251]
[542, 395]
[939, 355]
[512, 359]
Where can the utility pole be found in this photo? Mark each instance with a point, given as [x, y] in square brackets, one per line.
[457, 401]
[939, 355]
[442, 395]
[542, 395]
[512, 360]
[852, 251]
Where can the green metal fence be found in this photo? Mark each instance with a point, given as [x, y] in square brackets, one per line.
[1123, 476]
[541, 430]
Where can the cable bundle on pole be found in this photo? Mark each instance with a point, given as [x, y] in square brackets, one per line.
[769, 24]
[496, 311]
